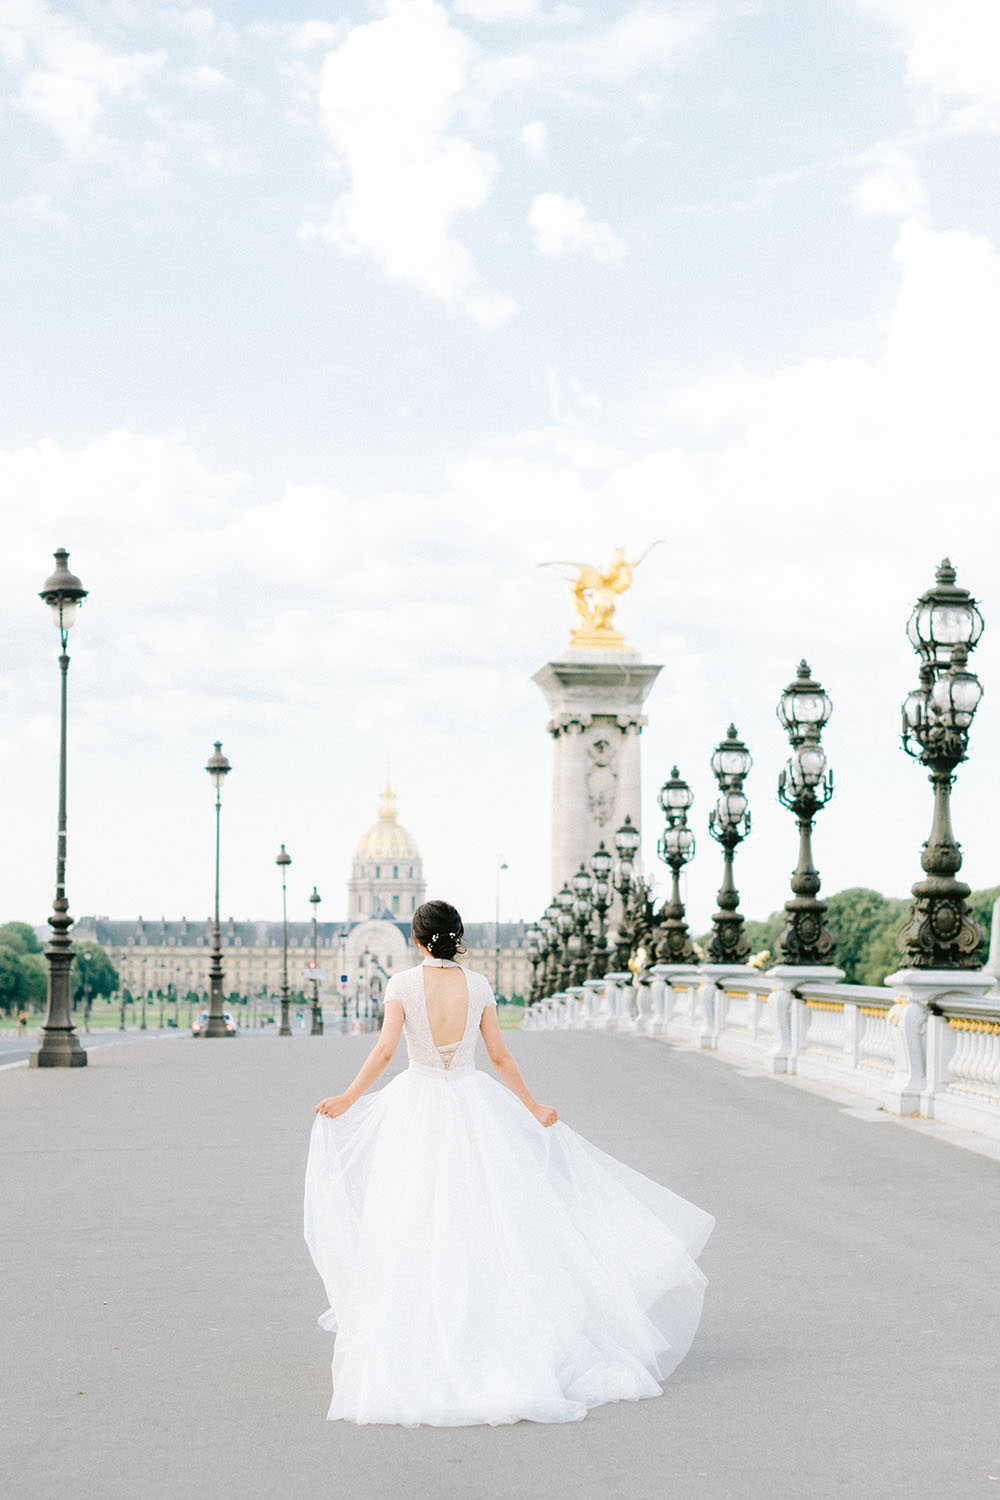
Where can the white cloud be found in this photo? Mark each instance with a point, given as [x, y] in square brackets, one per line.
[534, 138]
[952, 49]
[499, 10]
[206, 79]
[38, 207]
[315, 34]
[890, 185]
[68, 77]
[561, 226]
[388, 97]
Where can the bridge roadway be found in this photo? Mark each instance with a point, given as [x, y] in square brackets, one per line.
[159, 1305]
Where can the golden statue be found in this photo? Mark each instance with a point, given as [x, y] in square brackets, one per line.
[594, 593]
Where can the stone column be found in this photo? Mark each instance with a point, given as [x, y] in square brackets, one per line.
[595, 700]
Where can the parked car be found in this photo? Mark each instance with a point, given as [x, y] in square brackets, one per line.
[200, 1022]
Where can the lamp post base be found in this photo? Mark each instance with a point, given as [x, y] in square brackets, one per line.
[58, 1049]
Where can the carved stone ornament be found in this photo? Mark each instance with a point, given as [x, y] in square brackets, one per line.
[602, 780]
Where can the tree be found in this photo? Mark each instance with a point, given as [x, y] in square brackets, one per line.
[19, 937]
[96, 971]
[22, 981]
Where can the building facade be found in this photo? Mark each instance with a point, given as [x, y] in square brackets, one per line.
[356, 957]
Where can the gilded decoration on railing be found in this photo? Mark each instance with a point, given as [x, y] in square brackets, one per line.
[984, 1028]
[825, 1005]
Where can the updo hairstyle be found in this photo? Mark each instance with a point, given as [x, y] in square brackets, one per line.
[438, 927]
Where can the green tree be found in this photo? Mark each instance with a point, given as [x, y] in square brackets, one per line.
[22, 981]
[19, 937]
[97, 970]
[981, 903]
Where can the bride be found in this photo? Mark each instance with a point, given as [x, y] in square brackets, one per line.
[482, 1261]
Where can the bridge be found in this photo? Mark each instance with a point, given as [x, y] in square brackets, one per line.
[160, 1304]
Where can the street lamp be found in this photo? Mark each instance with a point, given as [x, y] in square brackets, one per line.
[533, 948]
[676, 849]
[583, 912]
[218, 768]
[601, 865]
[729, 824]
[945, 626]
[317, 1009]
[283, 860]
[563, 903]
[627, 841]
[501, 866]
[548, 983]
[59, 1046]
[804, 787]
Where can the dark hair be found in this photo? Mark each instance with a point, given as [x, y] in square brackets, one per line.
[438, 927]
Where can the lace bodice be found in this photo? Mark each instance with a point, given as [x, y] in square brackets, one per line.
[450, 1061]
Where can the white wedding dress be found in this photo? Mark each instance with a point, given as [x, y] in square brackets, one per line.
[480, 1267]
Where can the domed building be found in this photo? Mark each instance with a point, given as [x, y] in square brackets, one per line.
[387, 875]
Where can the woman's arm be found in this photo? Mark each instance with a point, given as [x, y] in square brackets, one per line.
[374, 1066]
[507, 1069]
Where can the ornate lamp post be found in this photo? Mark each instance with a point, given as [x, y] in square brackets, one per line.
[283, 860]
[501, 866]
[627, 841]
[945, 626]
[317, 1009]
[805, 786]
[533, 948]
[564, 926]
[218, 769]
[550, 936]
[583, 912]
[676, 849]
[601, 865]
[729, 824]
[59, 1045]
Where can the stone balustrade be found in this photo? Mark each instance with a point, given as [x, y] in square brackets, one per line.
[924, 1043]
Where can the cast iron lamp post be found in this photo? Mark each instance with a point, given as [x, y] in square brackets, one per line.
[601, 865]
[676, 849]
[583, 912]
[501, 866]
[729, 824]
[533, 948]
[283, 860]
[804, 787]
[218, 769]
[945, 626]
[550, 936]
[59, 1045]
[317, 1009]
[564, 925]
[627, 841]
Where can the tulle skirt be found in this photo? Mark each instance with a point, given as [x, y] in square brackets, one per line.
[481, 1268]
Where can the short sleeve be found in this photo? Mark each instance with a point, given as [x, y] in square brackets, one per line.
[394, 991]
[488, 996]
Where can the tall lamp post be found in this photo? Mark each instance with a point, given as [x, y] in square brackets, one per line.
[627, 841]
[729, 824]
[501, 866]
[283, 860]
[945, 626]
[676, 849]
[218, 768]
[59, 1045]
[317, 1009]
[583, 912]
[565, 924]
[550, 936]
[533, 948]
[601, 865]
[804, 787]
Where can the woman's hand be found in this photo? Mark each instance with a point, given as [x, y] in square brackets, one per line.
[544, 1114]
[337, 1104]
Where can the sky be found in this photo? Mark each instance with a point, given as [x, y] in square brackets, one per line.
[324, 326]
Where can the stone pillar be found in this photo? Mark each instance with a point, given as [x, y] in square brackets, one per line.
[595, 700]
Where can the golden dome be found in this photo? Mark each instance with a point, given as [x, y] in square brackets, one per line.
[387, 839]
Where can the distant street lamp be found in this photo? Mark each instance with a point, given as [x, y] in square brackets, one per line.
[804, 787]
[501, 866]
[533, 948]
[676, 849]
[218, 768]
[945, 626]
[627, 841]
[564, 925]
[550, 939]
[317, 1009]
[729, 824]
[583, 913]
[59, 1045]
[283, 860]
[601, 865]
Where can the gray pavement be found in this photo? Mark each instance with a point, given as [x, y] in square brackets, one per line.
[160, 1304]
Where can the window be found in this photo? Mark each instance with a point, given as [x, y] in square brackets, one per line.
[395, 904]
[378, 872]
[395, 872]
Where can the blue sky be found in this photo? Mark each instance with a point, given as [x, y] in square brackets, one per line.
[323, 326]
